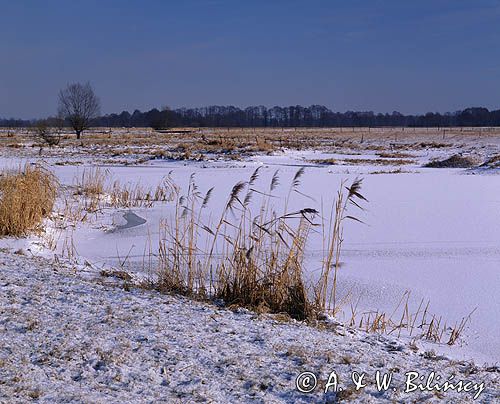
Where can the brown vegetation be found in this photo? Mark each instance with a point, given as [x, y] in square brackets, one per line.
[455, 161]
[352, 161]
[251, 261]
[26, 198]
[186, 143]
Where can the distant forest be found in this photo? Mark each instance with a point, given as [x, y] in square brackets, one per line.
[293, 116]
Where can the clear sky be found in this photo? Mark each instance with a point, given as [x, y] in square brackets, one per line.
[410, 56]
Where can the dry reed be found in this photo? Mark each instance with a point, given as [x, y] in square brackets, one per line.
[251, 261]
[26, 197]
[257, 261]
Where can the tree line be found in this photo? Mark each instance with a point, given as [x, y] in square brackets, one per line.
[294, 116]
[79, 108]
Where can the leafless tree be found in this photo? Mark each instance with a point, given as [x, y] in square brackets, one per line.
[48, 131]
[78, 105]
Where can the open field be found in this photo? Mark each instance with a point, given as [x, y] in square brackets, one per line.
[236, 143]
[419, 263]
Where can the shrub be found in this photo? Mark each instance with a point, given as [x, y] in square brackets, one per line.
[26, 197]
[46, 134]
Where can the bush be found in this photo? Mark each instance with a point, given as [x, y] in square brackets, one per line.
[26, 198]
[46, 134]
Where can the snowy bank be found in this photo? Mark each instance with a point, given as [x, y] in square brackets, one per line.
[69, 335]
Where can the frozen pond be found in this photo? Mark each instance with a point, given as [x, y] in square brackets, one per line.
[434, 232]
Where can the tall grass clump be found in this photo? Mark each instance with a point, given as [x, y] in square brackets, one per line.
[247, 258]
[92, 181]
[96, 190]
[27, 196]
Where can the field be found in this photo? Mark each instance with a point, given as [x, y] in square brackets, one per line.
[417, 255]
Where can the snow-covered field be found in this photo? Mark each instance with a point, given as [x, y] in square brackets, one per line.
[431, 231]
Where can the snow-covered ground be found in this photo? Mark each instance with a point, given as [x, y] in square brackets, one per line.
[432, 232]
[68, 335]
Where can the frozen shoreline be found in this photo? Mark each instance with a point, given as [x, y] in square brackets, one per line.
[69, 335]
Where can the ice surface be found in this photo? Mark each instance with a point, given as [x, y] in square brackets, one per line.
[434, 232]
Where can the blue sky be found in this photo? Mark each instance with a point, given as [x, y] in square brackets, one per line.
[410, 56]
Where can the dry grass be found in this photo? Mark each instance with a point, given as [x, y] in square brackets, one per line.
[92, 181]
[419, 323]
[455, 161]
[352, 161]
[135, 195]
[26, 198]
[224, 141]
[91, 186]
[395, 155]
[396, 171]
[255, 261]
[382, 162]
[326, 289]
[263, 145]
[328, 162]
[95, 190]
[492, 162]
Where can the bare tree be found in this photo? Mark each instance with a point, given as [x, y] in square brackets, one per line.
[78, 105]
[51, 135]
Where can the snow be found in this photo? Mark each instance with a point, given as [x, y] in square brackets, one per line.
[432, 232]
[68, 335]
